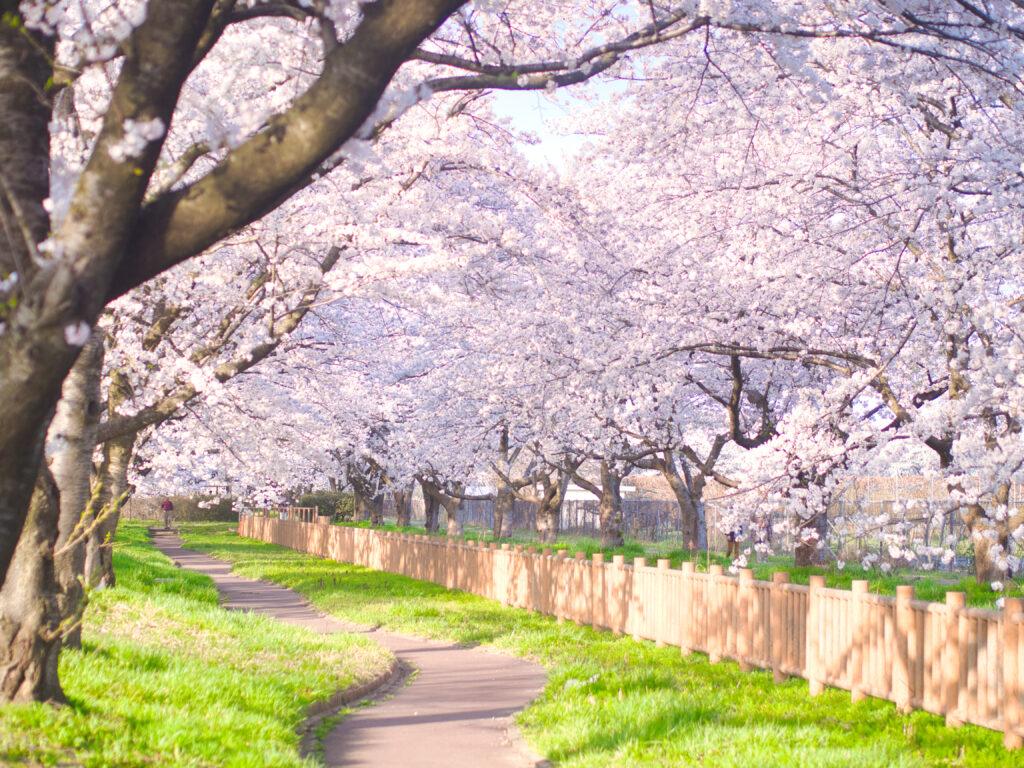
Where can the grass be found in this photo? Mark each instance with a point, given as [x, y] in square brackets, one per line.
[165, 677]
[617, 702]
[928, 585]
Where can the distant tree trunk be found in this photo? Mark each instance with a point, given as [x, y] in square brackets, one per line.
[369, 507]
[430, 508]
[110, 497]
[29, 607]
[403, 507]
[110, 491]
[360, 509]
[811, 535]
[452, 504]
[991, 538]
[549, 511]
[689, 492]
[504, 503]
[610, 507]
[376, 506]
[548, 519]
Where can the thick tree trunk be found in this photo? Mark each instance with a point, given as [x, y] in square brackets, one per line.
[403, 507]
[375, 507]
[693, 526]
[30, 621]
[610, 507]
[360, 509]
[452, 522]
[74, 428]
[990, 540]
[549, 515]
[31, 370]
[430, 512]
[809, 549]
[504, 501]
[985, 550]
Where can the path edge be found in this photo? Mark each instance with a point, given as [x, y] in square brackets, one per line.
[374, 689]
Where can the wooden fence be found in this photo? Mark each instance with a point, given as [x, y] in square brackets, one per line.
[964, 663]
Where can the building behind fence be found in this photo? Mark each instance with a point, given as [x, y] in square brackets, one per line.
[948, 659]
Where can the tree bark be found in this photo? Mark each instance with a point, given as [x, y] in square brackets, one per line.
[74, 426]
[430, 510]
[689, 492]
[110, 496]
[24, 185]
[109, 491]
[403, 507]
[504, 501]
[451, 508]
[811, 534]
[548, 521]
[610, 507]
[29, 610]
[549, 512]
[35, 355]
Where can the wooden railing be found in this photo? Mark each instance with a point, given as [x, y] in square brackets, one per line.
[963, 663]
[300, 514]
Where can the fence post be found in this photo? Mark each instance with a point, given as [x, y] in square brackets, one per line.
[598, 617]
[661, 614]
[686, 617]
[579, 594]
[744, 628]
[619, 592]
[814, 676]
[901, 680]
[859, 587]
[951, 659]
[636, 604]
[1012, 684]
[715, 623]
[559, 586]
[780, 634]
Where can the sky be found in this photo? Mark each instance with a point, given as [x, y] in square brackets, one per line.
[540, 113]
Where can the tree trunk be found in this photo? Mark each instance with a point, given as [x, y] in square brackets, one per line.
[451, 508]
[548, 518]
[610, 508]
[31, 369]
[29, 610]
[504, 502]
[74, 426]
[430, 510]
[986, 548]
[809, 550]
[360, 509]
[403, 507]
[110, 495]
[693, 526]
[375, 507]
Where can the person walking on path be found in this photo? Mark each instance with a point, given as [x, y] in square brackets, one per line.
[168, 508]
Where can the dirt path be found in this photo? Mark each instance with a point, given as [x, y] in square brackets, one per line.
[455, 713]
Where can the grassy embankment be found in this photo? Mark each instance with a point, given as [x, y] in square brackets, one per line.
[616, 702]
[166, 677]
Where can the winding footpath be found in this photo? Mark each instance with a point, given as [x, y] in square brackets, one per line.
[456, 711]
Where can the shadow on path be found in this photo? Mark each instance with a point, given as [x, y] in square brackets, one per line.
[456, 712]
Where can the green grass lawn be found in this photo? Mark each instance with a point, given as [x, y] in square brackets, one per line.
[167, 678]
[617, 702]
[928, 585]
